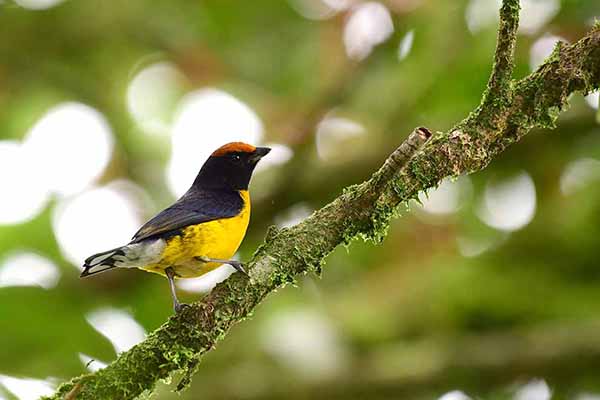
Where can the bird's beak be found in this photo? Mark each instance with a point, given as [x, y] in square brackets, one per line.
[259, 153]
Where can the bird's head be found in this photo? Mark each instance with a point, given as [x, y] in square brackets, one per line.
[230, 166]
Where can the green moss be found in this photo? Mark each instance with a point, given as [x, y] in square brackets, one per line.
[272, 232]
[186, 380]
[554, 57]
[420, 173]
[352, 190]
[380, 224]
[179, 356]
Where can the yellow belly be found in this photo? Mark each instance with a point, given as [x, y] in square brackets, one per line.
[215, 239]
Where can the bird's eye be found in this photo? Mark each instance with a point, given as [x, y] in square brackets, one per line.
[236, 158]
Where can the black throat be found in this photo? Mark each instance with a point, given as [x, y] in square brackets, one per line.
[220, 173]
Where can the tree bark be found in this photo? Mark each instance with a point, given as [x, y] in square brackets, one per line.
[509, 109]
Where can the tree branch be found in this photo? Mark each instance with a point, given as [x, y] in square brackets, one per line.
[507, 112]
[500, 80]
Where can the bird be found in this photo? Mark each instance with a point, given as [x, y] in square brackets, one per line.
[200, 231]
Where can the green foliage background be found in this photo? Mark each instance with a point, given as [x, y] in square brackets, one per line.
[415, 318]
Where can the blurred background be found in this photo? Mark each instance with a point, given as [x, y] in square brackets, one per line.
[488, 289]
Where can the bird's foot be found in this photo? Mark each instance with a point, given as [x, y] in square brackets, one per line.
[238, 266]
[179, 307]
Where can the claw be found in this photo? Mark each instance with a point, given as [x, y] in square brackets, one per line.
[238, 267]
[179, 307]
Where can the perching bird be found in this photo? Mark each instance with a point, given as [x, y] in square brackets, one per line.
[201, 230]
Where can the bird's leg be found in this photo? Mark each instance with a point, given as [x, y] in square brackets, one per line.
[171, 277]
[234, 263]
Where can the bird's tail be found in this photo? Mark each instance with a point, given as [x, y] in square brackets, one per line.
[102, 261]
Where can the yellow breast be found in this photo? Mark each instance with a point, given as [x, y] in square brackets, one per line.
[215, 239]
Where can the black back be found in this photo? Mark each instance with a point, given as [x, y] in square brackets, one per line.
[195, 207]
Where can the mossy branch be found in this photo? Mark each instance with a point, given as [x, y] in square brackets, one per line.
[499, 85]
[508, 111]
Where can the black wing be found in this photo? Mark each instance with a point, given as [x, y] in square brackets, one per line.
[195, 207]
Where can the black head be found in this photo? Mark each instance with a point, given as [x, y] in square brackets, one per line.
[230, 167]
